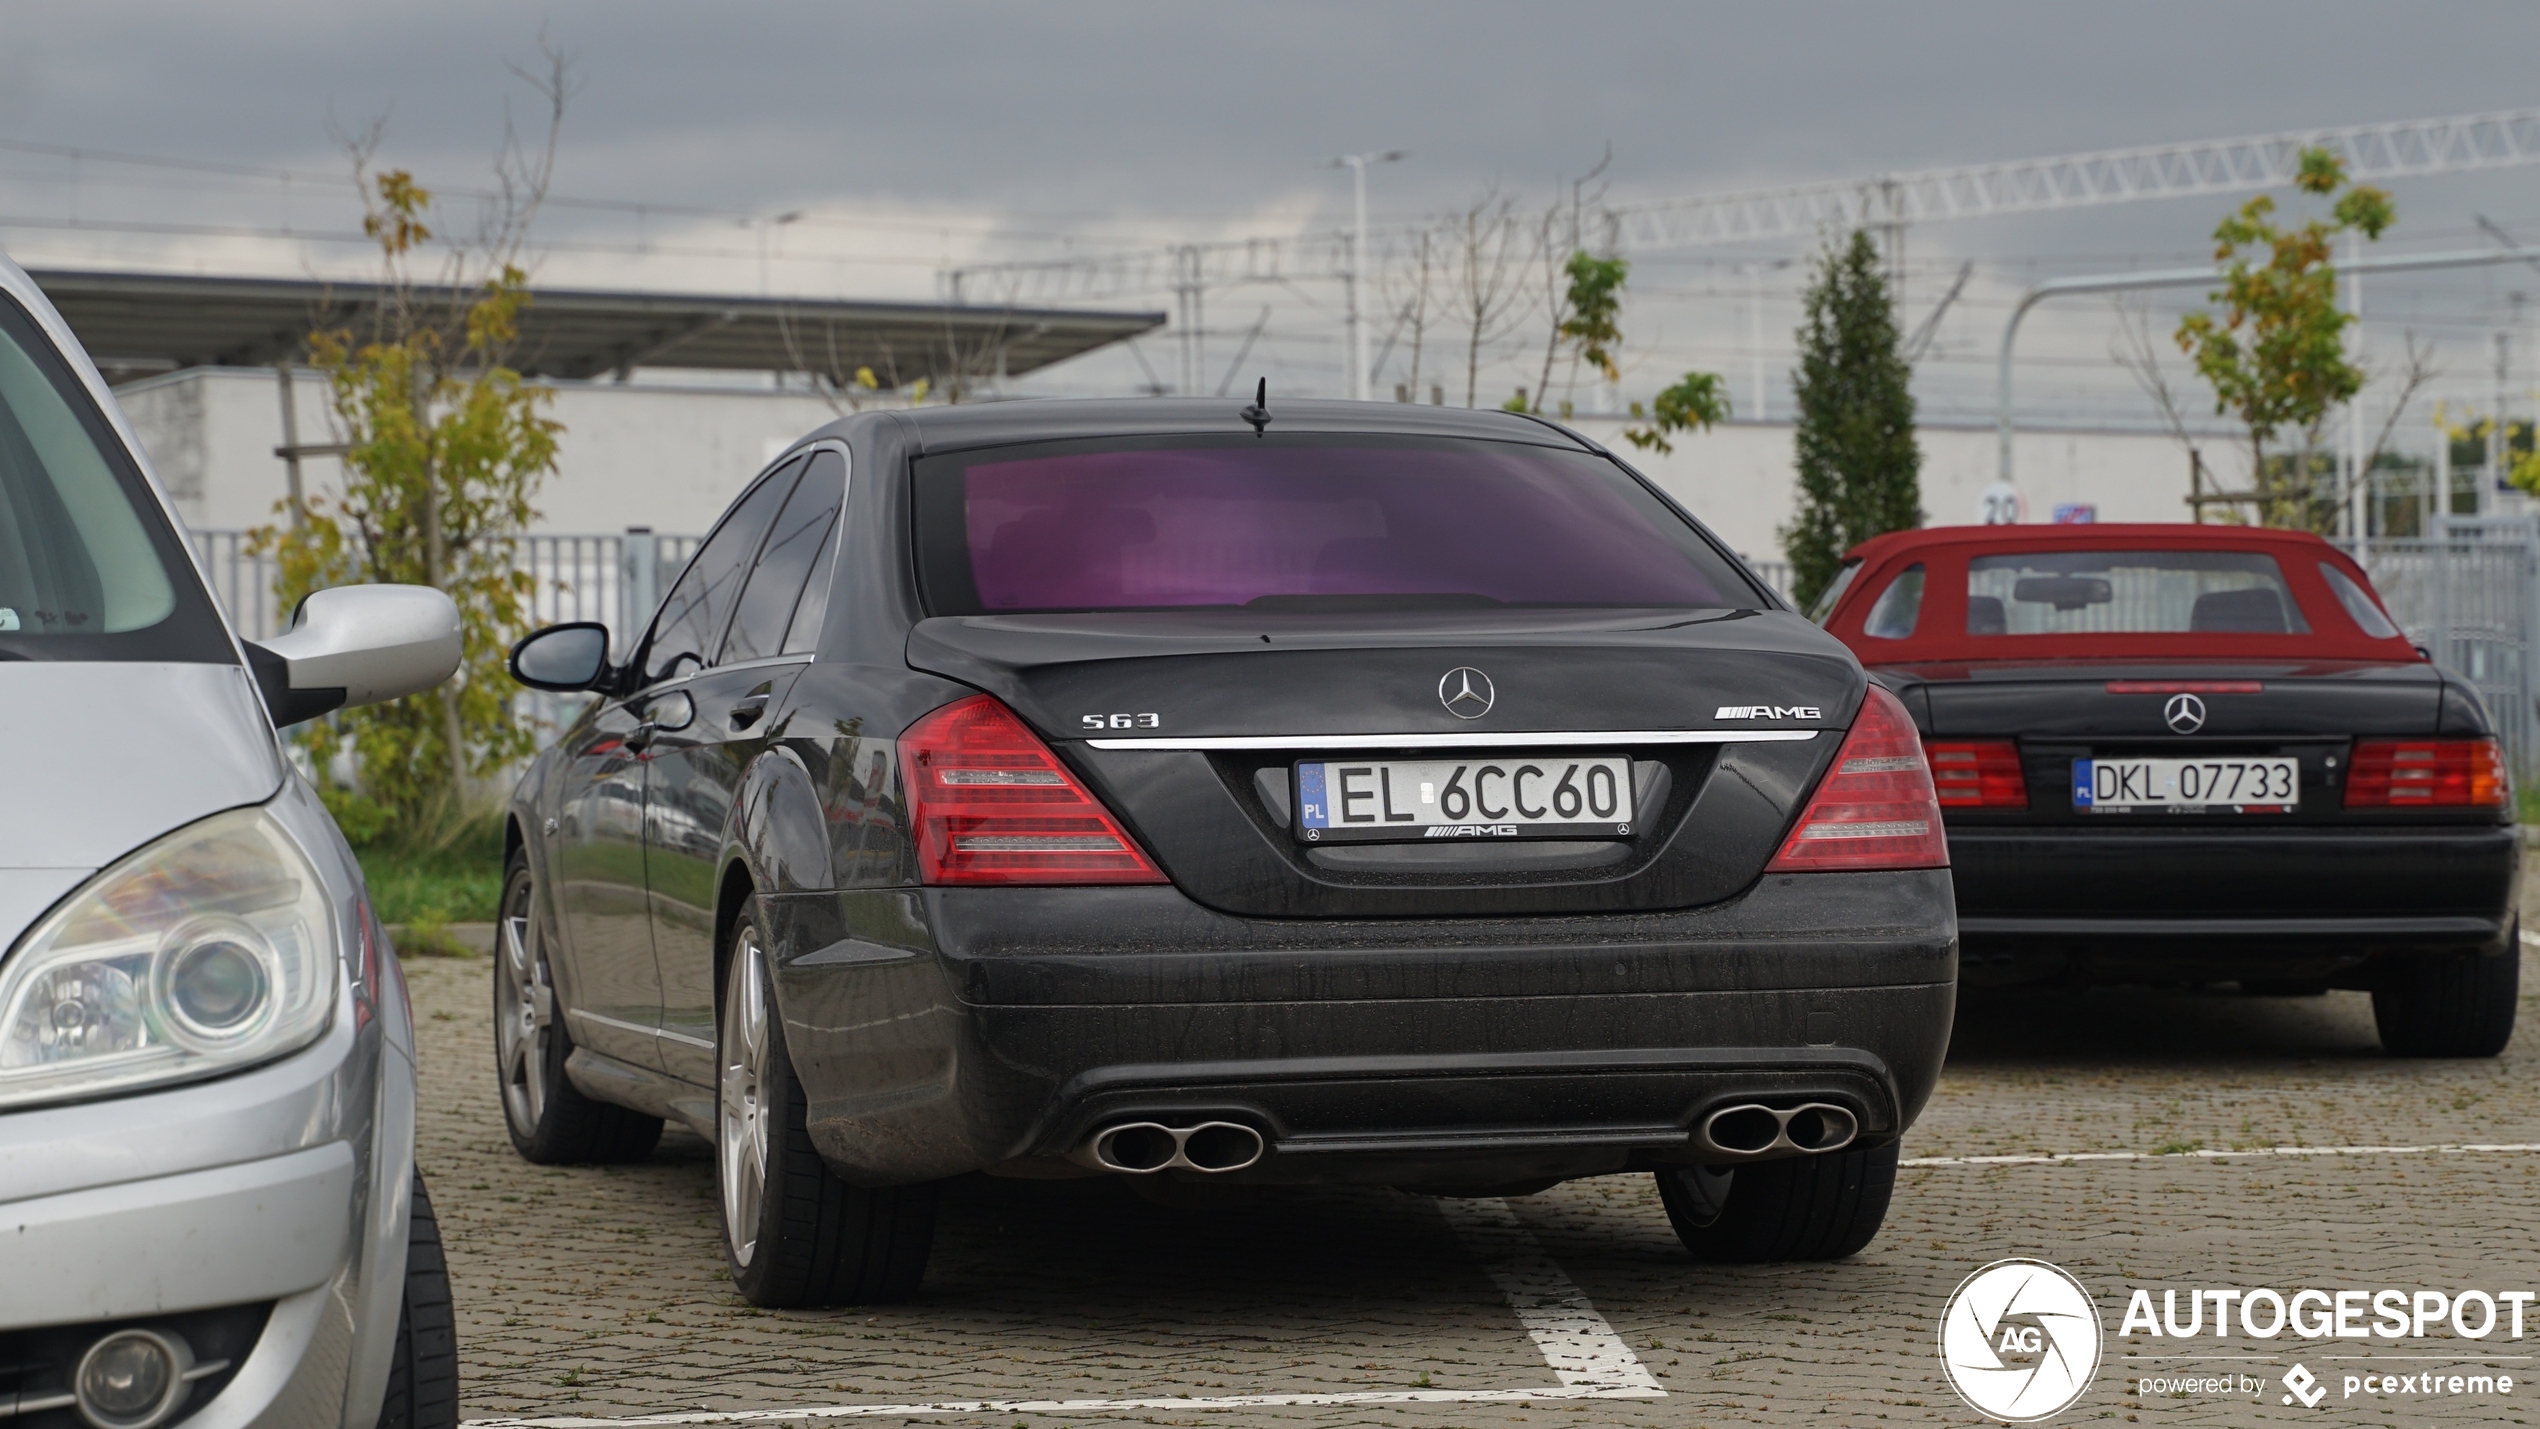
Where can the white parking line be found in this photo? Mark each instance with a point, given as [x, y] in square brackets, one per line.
[1583, 1350]
[1591, 1361]
[2069, 1157]
[1067, 1406]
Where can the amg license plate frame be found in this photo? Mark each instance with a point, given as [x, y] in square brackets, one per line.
[1522, 796]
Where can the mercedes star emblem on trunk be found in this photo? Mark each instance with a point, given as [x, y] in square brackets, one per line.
[2186, 713]
[1466, 692]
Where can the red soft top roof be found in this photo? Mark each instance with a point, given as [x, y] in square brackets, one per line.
[2113, 535]
[1940, 633]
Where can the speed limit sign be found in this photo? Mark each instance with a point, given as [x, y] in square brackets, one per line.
[2000, 505]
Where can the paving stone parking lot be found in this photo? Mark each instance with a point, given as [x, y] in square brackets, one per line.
[600, 1291]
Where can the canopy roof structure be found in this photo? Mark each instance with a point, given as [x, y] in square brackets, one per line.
[135, 323]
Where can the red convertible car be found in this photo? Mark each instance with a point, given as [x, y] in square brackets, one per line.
[2198, 754]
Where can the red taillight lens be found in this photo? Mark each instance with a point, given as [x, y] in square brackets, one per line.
[1875, 808]
[989, 803]
[2426, 774]
[1977, 774]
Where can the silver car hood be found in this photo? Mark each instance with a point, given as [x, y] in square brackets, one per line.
[104, 757]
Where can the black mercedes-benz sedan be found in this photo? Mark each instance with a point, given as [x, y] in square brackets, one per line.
[2200, 754]
[1176, 790]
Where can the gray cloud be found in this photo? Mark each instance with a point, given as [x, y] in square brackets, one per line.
[1113, 117]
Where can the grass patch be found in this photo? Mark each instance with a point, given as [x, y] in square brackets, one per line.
[436, 869]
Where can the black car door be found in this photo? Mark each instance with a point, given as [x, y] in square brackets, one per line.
[696, 773]
[614, 994]
[602, 879]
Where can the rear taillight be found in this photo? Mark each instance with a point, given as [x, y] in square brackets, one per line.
[989, 803]
[1977, 774]
[1875, 808]
[2426, 774]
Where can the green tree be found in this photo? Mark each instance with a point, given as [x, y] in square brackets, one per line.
[1586, 308]
[445, 445]
[1698, 402]
[2273, 348]
[1859, 467]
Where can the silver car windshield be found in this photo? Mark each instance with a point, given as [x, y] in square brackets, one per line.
[88, 566]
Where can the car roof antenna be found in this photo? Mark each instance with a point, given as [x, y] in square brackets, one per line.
[1259, 412]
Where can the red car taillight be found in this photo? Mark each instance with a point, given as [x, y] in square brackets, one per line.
[1977, 774]
[2425, 774]
[1875, 808]
[989, 803]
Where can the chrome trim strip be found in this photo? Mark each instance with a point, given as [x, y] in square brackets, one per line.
[1523, 739]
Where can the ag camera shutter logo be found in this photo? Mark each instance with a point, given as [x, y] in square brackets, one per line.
[2020, 1340]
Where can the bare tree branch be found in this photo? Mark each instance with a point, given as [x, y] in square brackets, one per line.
[1487, 286]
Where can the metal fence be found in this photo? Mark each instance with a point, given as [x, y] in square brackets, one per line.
[1772, 573]
[616, 580]
[2470, 594]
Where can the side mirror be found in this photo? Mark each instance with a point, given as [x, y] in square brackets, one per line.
[357, 645]
[563, 657]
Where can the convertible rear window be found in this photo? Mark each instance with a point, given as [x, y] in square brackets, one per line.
[1304, 523]
[90, 568]
[2103, 592]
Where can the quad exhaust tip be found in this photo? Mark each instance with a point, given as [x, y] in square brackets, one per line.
[1140, 1148]
[1751, 1129]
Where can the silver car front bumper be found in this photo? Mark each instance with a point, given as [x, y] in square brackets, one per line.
[287, 1185]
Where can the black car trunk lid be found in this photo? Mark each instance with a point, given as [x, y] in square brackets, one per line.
[1188, 725]
[2310, 712]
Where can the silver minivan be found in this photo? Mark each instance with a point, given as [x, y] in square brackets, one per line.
[209, 1210]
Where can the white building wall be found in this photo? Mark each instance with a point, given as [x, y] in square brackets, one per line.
[672, 457]
[665, 457]
[1739, 479]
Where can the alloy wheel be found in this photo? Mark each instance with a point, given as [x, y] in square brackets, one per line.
[524, 1013]
[742, 1113]
[1706, 1192]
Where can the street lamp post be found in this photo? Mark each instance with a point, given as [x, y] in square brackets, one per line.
[1359, 377]
[763, 223]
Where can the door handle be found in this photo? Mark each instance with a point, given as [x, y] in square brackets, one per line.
[747, 711]
[673, 711]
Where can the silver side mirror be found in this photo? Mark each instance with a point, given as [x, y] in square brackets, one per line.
[358, 645]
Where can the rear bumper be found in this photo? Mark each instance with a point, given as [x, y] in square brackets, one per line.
[1008, 1025]
[2091, 905]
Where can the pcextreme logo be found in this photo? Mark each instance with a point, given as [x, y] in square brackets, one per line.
[2020, 1340]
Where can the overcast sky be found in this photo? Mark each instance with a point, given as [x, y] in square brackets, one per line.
[912, 135]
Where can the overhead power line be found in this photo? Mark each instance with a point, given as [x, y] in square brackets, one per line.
[639, 207]
[2373, 152]
[2403, 149]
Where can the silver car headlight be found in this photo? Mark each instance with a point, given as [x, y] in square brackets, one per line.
[211, 949]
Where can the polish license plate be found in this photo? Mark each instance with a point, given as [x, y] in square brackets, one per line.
[1398, 800]
[2187, 786]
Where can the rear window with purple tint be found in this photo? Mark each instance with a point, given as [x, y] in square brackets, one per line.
[1303, 523]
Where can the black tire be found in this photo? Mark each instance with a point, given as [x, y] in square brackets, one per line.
[551, 1122]
[806, 1237]
[1805, 1208]
[2450, 1004]
[423, 1374]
